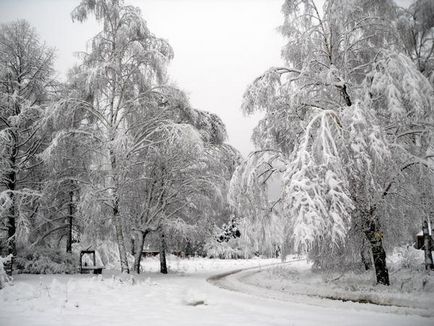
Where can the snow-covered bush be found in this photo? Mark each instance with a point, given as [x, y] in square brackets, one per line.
[407, 257]
[4, 277]
[46, 261]
[339, 260]
[225, 250]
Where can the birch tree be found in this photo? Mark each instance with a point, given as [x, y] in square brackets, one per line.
[329, 115]
[124, 63]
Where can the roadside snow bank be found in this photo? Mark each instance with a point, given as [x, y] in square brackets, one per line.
[410, 287]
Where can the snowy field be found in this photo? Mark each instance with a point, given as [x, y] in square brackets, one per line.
[183, 297]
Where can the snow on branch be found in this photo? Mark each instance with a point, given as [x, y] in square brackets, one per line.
[399, 88]
[261, 94]
[316, 192]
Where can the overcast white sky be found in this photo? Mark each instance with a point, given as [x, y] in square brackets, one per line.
[220, 46]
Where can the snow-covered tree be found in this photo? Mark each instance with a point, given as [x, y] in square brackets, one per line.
[124, 66]
[145, 158]
[347, 116]
[25, 77]
[182, 180]
[164, 181]
[67, 161]
[416, 30]
[255, 197]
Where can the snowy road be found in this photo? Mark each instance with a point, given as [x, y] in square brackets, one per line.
[307, 310]
[170, 300]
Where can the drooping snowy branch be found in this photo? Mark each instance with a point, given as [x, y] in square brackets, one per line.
[316, 194]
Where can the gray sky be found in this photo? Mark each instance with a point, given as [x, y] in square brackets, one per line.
[220, 46]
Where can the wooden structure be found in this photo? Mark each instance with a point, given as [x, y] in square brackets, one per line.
[420, 238]
[179, 254]
[427, 245]
[154, 253]
[425, 242]
[150, 253]
[419, 241]
[89, 269]
[8, 266]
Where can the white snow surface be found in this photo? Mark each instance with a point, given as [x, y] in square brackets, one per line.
[183, 297]
[292, 281]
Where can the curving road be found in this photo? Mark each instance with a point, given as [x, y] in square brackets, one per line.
[313, 310]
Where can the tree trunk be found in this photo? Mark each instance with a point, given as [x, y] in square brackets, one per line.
[427, 246]
[365, 256]
[116, 216]
[188, 249]
[375, 238]
[11, 186]
[12, 228]
[71, 211]
[120, 238]
[139, 242]
[133, 247]
[163, 263]
[69, 240]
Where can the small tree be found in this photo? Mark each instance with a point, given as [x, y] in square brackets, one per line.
[181, 177]
[67, 159]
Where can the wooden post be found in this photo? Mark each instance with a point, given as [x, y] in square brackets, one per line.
[81, 262]
[427, 246]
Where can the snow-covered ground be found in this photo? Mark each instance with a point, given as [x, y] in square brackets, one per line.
[296, 280]
[183, 297]
[203, 265]
[411, 290]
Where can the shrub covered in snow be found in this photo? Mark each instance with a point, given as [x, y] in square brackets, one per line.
[4, 278]
[407, 258]
[224, 250]
[46, 261]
